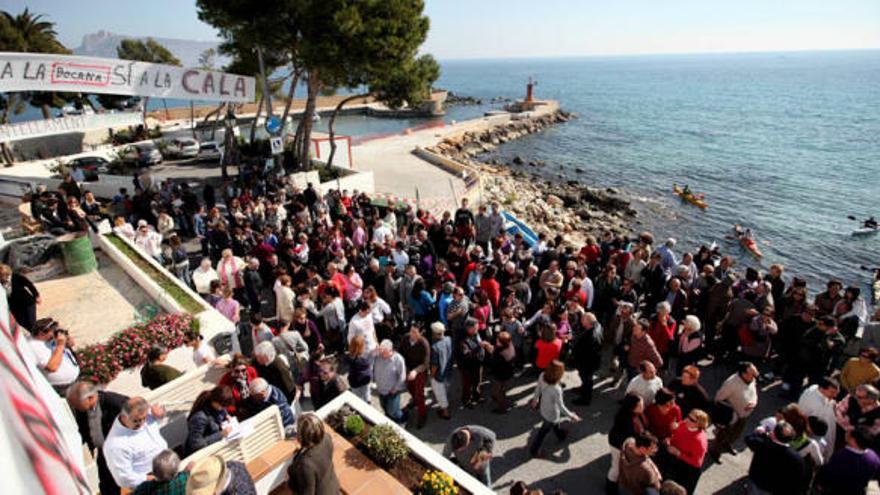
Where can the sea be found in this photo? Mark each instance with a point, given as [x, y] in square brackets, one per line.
[786, 144]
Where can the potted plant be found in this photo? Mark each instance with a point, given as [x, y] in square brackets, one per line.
[437, 483]
[354, 425]
[385, 445]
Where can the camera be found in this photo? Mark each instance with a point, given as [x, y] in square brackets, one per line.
[61, 331]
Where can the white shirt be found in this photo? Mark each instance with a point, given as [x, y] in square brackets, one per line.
[204, 354]
[381, 234]
[129, 453]
[284, 297]
[150, 242]
[363, 325]
[646, 389]
[739, 395]
[202, 279]
[813, 403]
[380, 310]
[67, 371]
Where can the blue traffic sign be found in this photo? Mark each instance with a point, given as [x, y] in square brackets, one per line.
[273, 125]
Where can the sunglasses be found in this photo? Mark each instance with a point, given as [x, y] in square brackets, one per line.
[239, 370]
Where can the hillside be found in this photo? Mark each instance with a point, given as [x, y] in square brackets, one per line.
[103, 44]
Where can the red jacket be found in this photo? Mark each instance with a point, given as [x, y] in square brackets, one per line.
[662, 333]
[227, 381]
[547, 352]
[492, 289]
[692, 444]
[660, 424]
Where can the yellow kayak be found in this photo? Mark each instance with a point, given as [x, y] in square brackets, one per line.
[690, 198]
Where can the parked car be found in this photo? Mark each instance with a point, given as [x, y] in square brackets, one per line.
[97, 164]
[210, 151]
[89, 166]
[183, 148]
[142, 155]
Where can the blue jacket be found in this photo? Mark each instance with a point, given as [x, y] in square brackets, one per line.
[442, 303]
[276, 398]
[205, 427]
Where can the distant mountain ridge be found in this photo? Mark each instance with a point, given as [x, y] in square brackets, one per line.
[104, 43]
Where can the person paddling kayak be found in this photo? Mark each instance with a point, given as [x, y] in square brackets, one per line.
[744, 236]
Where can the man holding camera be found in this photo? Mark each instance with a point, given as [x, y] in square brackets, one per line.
[52, 350]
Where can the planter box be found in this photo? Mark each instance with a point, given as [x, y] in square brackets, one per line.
[424, 453]
[211, 321]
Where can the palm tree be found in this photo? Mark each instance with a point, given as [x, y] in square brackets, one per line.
[28, 32]
[37, 35]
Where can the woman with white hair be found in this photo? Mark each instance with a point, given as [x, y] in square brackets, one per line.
[662, 330]
[690, 343]
[230, 269]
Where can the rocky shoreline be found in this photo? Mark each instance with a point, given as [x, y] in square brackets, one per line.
[550, 206]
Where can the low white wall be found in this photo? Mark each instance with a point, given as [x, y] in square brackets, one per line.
[302, 179]
[362, 181]
[426, 453]
[447, 164]
[211, 321]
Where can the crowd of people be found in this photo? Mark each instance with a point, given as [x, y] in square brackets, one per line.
[335, 292]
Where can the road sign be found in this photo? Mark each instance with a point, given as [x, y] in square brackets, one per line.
[277, 145]
[273, 125]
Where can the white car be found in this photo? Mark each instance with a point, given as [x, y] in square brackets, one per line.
[183, 148]
[210, 151]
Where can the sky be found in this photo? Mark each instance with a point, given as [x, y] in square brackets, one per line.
[544, 28]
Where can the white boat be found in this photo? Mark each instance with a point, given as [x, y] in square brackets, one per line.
[866, 231]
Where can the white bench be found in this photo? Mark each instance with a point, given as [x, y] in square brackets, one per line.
[178, 396]
[265, 452]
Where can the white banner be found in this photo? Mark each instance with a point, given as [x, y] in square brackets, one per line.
[67, 73]
[63, 125]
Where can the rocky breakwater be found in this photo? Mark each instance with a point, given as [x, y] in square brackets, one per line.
[554, 207]
[551, 207]
[466, 147]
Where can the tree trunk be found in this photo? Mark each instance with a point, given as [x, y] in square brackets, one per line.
[192, 118]
[331, 126]
[46, 113]
[6, 151]
[216, 120]
[311, 102]
[290, 93]
[230, 150]
[256, 119]
[146, 101]
[212, 113]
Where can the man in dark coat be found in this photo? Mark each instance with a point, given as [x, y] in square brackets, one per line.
[587, 356]
[22, 295]
[94, 411]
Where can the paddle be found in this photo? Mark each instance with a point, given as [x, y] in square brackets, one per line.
[852, 218]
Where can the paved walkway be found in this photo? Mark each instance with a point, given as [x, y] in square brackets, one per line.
[579, 465]
[94, 305]
[399, 172]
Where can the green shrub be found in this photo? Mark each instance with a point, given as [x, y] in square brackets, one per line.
[385, 445]
[354, 425]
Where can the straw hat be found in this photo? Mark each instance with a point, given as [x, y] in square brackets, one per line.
[207, 476]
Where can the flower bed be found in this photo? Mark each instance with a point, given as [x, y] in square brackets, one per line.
[186, 301]
[128, 348]
[383, 445]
